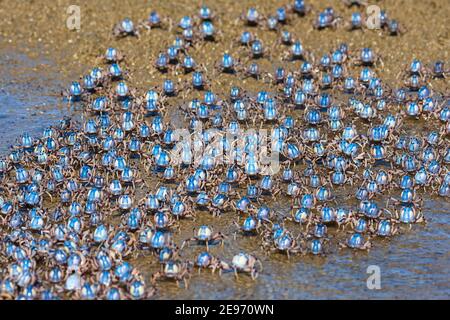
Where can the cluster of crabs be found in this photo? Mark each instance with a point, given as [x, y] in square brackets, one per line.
[323, 161]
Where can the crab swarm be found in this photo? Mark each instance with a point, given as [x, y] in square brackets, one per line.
[326, 159]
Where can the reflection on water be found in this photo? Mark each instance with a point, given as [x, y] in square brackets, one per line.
[27, 97]
[414, 265]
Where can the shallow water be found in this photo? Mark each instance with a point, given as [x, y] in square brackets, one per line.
[29, 96]
[414, 264]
